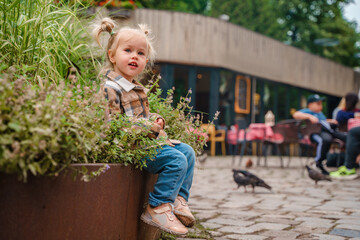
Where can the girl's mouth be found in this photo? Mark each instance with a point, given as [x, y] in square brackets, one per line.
[133, 64]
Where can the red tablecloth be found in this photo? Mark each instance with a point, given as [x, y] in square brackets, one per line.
[353, 122]
[256, 131]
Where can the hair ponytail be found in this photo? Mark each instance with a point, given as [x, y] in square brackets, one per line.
[107, 25]
[147, 31]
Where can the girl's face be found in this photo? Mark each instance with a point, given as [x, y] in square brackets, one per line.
[130, 56]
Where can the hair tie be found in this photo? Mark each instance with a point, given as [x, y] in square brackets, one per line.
[112, 32]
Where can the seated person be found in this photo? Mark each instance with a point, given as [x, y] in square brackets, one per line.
[341, 106]
[352, 156]
[313, 112]
[348, 112]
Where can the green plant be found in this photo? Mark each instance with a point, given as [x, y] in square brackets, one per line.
[181, 124]
[45, 130]
[129, 4]
[126, 144]
[42, 38]
[48, 122]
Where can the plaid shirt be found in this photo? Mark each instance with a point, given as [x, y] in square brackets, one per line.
[129, 98]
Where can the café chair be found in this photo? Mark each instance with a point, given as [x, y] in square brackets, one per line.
[215, 135]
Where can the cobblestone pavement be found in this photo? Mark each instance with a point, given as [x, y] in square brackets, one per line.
[294, 209]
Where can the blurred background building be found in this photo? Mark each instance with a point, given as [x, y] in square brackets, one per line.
[240, 72]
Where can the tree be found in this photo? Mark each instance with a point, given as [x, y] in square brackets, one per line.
[257, 15]
[191, 6]
[320, 28]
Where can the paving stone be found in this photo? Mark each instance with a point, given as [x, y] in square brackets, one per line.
[309, 229]
[243, 215]
[345, 232]
[211, 225]
[348, 221]
[245, 237]
[328, 237]
[232, 222]
[269, 226]
[278, 220]
[191, 238]
[267, 206]
[294, 207]
[281, 234]
[216, 234]
[315, 222]
[206, 215]
[349, 226]
[238, 230]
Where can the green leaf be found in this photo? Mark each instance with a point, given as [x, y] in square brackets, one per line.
[14, 126]
[84, 170]
[32, 169]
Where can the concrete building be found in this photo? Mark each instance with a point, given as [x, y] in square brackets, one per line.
[237, 71]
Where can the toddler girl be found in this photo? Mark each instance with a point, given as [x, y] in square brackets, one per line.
[129, 50]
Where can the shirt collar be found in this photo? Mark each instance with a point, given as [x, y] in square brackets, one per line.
[123, 82]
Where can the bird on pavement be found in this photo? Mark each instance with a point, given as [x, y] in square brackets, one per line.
[317, 176]
[255, 181]
[248, 163]
[240, 180]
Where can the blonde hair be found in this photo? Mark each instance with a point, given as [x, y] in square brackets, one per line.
[108, 25]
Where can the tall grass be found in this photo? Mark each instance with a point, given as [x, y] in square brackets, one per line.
[42, 38]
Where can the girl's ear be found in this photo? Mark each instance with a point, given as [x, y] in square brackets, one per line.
[111, 56]
[147, 60]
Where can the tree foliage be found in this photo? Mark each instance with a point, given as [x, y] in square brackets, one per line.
[309, 22]
[190, 6]
[301, 23]
[256, 15]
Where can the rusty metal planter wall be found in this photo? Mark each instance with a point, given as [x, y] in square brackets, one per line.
[61, 208]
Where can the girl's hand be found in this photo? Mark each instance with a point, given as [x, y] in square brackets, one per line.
[160, 122]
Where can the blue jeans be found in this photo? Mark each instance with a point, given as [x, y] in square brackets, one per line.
[175, 166]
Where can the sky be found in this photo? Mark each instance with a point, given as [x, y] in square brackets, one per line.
[352, 12]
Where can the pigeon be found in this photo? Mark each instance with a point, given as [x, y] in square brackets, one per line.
[317, 176]
[248, 163]
[254, 180]
[240, 180]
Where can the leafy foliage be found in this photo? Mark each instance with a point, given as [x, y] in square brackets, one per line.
[48, 122]
[42, 38]
[308, 21]
[181, 124]
[197, 6]
[298, 23]
[256, 15]
[44, 130]
[127, 145]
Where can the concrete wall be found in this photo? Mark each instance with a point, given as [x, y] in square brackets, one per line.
[197, 40]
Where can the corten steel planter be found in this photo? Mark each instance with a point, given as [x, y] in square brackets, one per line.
[108, 207]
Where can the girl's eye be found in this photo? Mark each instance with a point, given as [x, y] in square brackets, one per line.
[141, 53]
[127, 50]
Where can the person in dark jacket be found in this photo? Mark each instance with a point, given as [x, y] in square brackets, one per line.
[344, 115]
